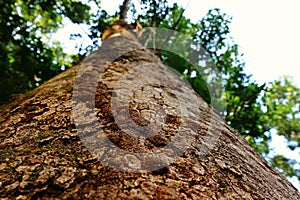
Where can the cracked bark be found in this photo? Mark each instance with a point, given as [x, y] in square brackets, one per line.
[42, 155]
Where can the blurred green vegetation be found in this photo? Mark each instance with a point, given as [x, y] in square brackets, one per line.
[28, 57]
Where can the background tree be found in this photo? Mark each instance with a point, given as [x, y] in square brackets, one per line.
[282, 112]
[28, 57]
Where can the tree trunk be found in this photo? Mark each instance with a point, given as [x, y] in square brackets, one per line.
[124, 9]
[45, 155]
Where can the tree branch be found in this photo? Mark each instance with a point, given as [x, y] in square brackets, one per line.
[124, 9]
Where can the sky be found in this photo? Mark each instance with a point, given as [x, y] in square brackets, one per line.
[267, 32]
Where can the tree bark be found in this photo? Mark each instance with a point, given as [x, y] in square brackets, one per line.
[124, 9]
[44, 155]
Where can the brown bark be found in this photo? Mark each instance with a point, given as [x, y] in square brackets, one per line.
[124, 9]
[42, 155]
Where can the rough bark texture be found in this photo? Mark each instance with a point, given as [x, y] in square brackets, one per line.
[42, 155]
